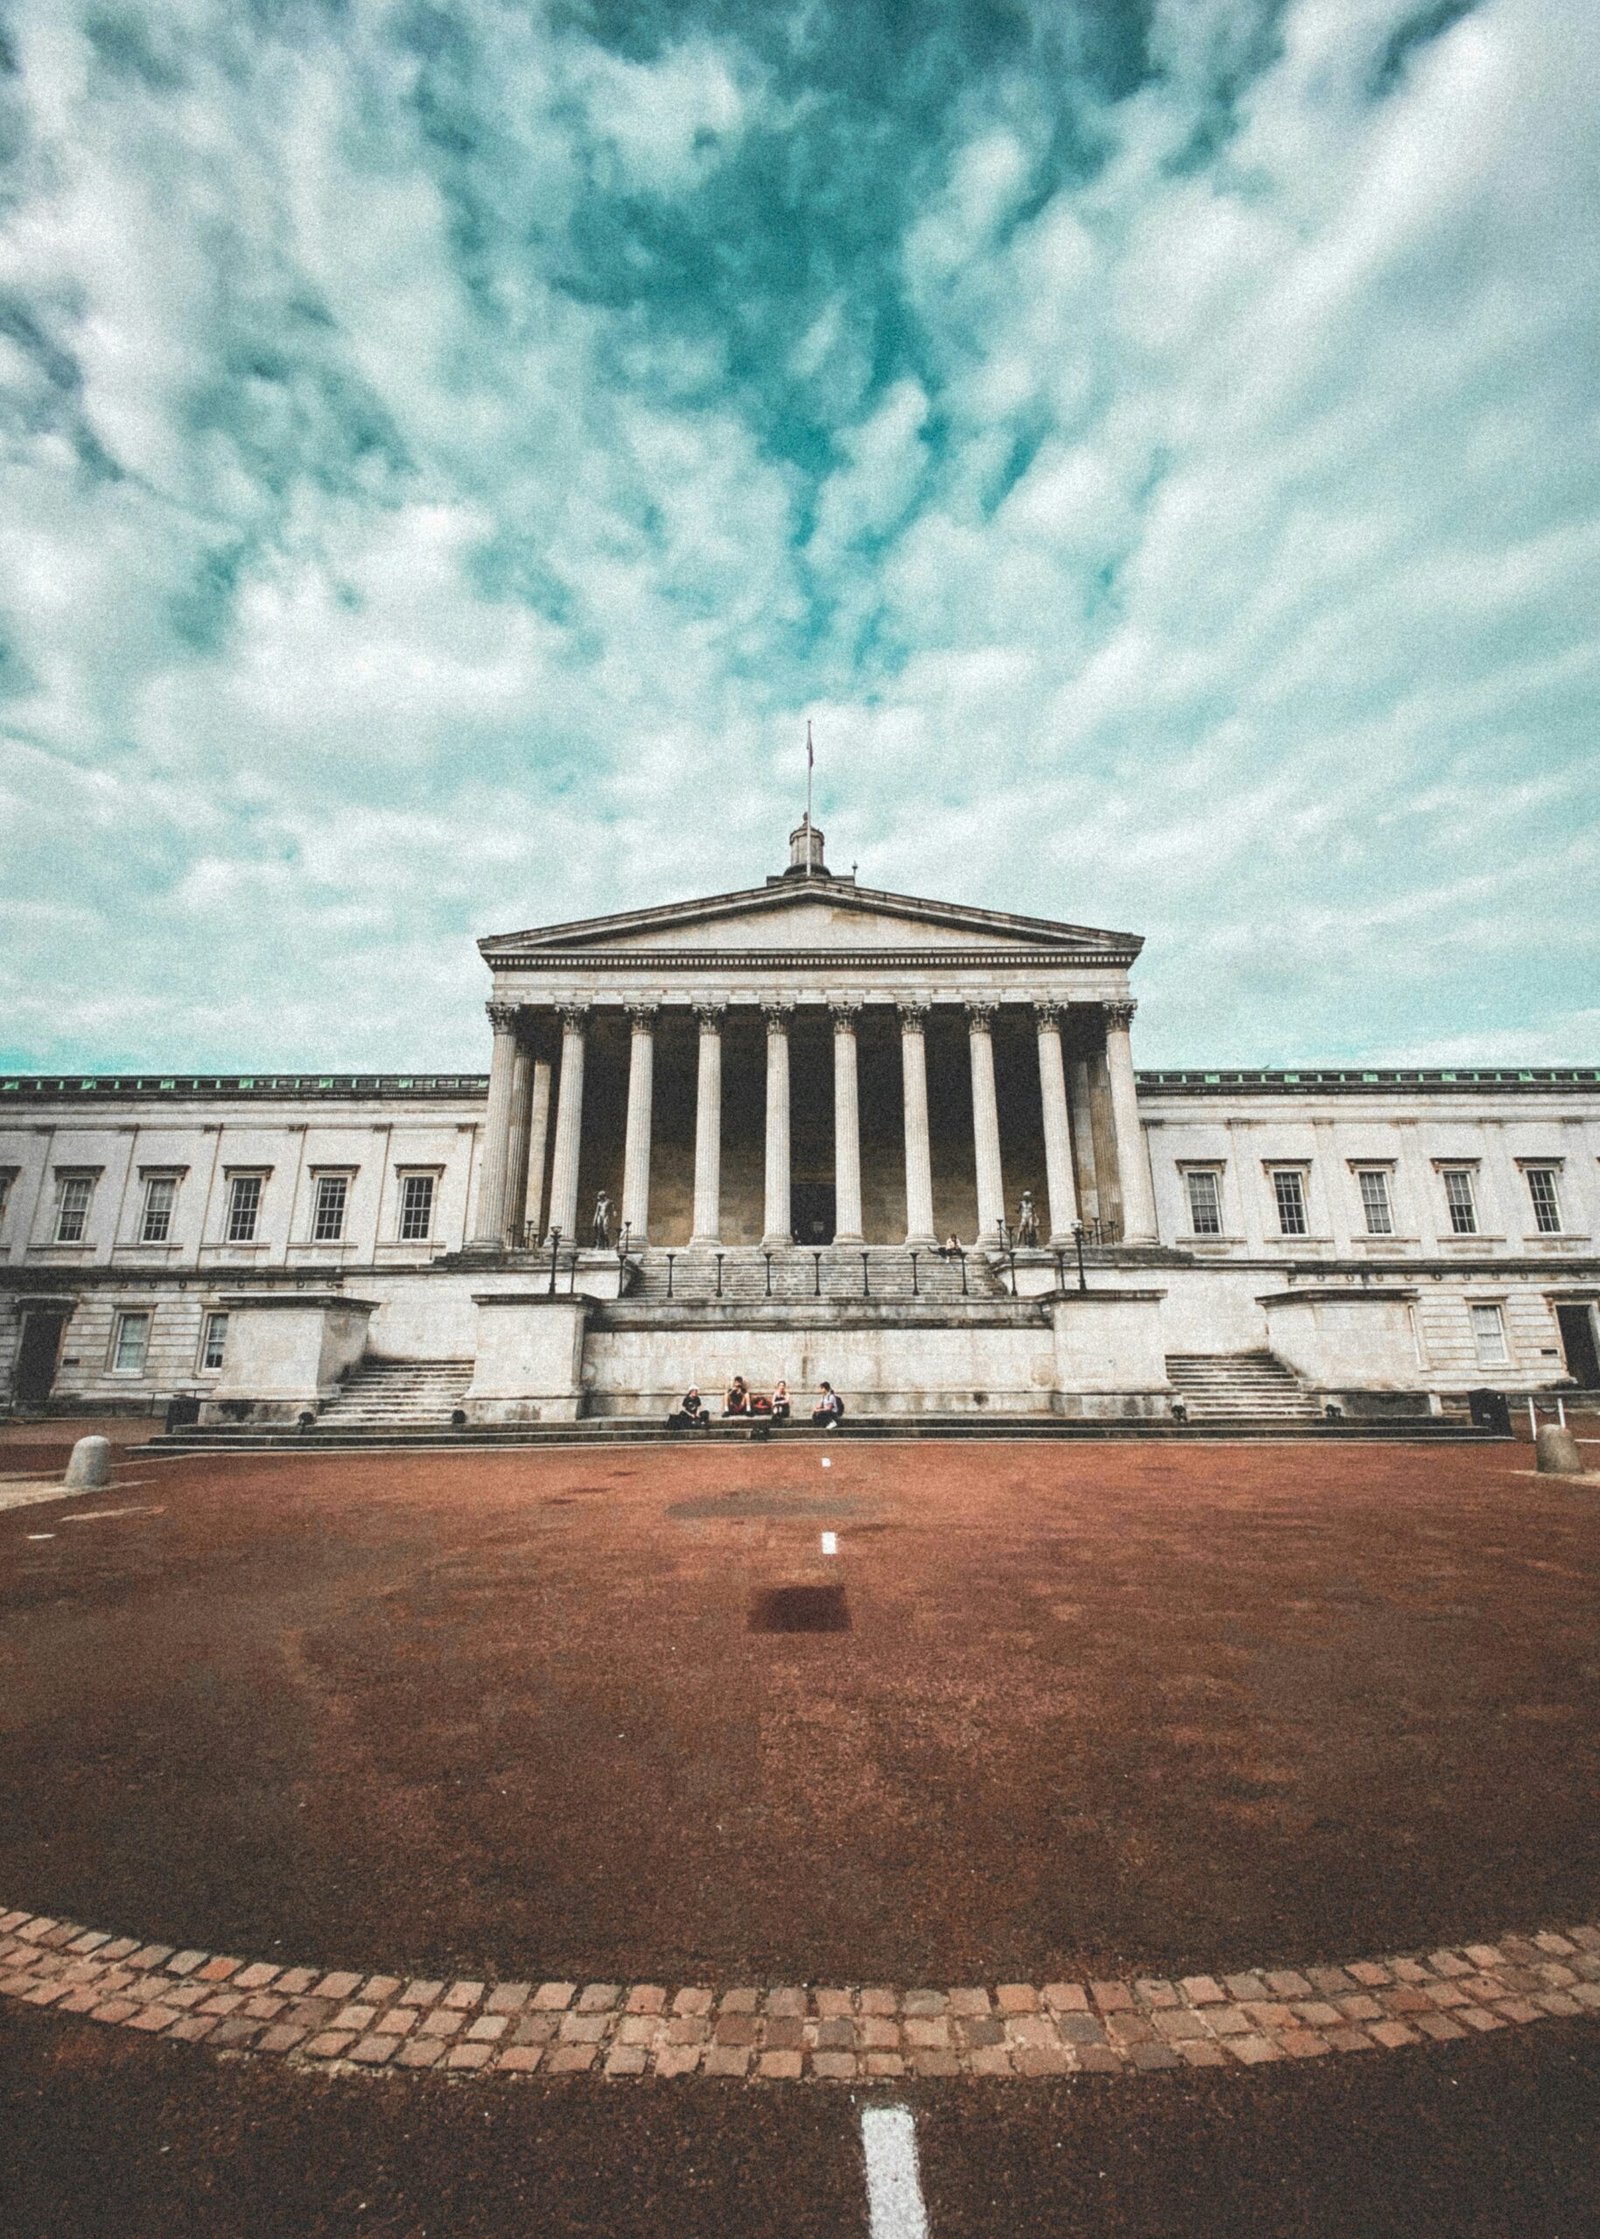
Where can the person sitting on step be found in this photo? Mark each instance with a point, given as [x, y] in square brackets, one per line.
[691, 1414]
[781, 1408]
[736, 1401]
[828, 1413]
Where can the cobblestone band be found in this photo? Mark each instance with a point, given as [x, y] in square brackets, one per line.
[372, 2023]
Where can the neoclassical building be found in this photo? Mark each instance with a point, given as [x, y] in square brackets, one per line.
[786, 1104]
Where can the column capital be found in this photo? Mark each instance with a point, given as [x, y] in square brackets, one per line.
[913, 1014]
[1049, 1011]
[574, 1017]
[779, 1016]
[980, 1010]
[710, 1016]
[643, 1016]
[844, 1015]
[1120, 1014]
[503, 1017]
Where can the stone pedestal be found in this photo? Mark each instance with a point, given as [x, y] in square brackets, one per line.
[1110, 1354]
[529, 1366]
[287, 1353]
[1345, 1339]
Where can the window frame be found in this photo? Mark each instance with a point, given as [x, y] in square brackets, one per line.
[208, 1323]
[1299, 1173]
[126, 1317]
[66, 1184]
[238, 1181]
[1547, 1171]
[1210, 1176]
[425, 1178]
[1381, 1172]
[153, 1182]
[1465, 1173]
[324, 1180]
[1489, 1314]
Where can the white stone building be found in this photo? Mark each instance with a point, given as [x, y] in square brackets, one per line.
[791, 1096]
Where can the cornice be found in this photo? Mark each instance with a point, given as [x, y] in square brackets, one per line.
[651, 962]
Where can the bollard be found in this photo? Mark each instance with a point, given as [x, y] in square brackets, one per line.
[89, 1470]
[1556, 1450]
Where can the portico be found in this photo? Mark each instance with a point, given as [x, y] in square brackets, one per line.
[812, 1061]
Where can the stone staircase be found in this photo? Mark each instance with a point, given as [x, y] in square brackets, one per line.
[1239, 1388]
[833, 1272]
[398, 1395]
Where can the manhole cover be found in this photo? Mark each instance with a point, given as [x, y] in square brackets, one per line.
[800, 1609]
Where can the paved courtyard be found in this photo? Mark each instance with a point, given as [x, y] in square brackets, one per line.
[948, 1769]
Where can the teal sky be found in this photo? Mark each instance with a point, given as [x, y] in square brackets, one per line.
[449, 447]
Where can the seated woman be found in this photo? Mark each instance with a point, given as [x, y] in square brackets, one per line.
[691, 1414]
[737, 1398]
[780, 1400]
[829, 1410]
[951, 1247]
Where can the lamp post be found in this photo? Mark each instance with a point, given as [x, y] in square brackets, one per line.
[1077, 1238]
[555, 1254]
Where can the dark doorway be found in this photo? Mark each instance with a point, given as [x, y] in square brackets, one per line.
[36, 1358]
[811, 1204]
[1576, 1324]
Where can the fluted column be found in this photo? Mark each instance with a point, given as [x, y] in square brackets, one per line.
[846, 1126]
[517, 1150]
[708, 1128]
[538, 1144]
[636, 1140]
[569, 1126]
[492, 1175]
[1133, 1167]
[1057, 1124]
[985, 1123]
[778, 1219]
[1082, 1113]
[914, 1097]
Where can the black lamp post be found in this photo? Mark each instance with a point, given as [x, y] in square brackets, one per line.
[1077, 1238]
[555, 1253]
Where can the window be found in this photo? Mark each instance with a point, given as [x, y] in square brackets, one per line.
[6, 1180]
[131, 1344]
[327, 1217]
[416, 1208]
[1205, 1201]
[1289, 1190]
[1375, 1204]
[160, 1196]
[73, 1192]
[213, 1340]
[1460, 1200]
[1546, 1204]
[1489, 1337]
[244, 1208]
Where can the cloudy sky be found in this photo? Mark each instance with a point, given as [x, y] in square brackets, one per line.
[449, 447]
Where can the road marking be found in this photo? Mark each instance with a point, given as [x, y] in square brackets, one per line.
[895, 2207]
[830, 1543]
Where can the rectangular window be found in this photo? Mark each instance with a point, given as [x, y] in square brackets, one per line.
[160, 1196]
[215, 1338]
[416, 1208]
[1375, 1203]
[1489, 1337]
[327, 1218]
[1546, 1204]
[132, 1343]
[1205, 1202]
[244, 1208]
[1461, 1201]
[1289, 1191]
[73, 1193]
[6, 1181]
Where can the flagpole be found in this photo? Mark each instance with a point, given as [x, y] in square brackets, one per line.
[810, 763]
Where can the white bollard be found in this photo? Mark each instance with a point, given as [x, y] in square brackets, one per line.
[1556, 1450]
[89, 1470]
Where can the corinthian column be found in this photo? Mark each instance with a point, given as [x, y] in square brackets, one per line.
[491, 1224]
[919, 1154]
[1133, 1168]
[1057, 1124]
[636, 1141]
[708, 1128]
[778, 1219]
[985, 1123]
[538, 1142]
[517, 1149]
[846, 1127]
[569, 1126]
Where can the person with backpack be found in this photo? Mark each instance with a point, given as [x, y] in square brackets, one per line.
[828, 1413]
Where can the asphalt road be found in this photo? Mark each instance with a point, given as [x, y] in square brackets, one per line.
[111, 2139]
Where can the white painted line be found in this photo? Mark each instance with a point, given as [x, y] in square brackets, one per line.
[830, 1543]
[895, 2208]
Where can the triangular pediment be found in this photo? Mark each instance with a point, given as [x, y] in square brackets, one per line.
[812, 916]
